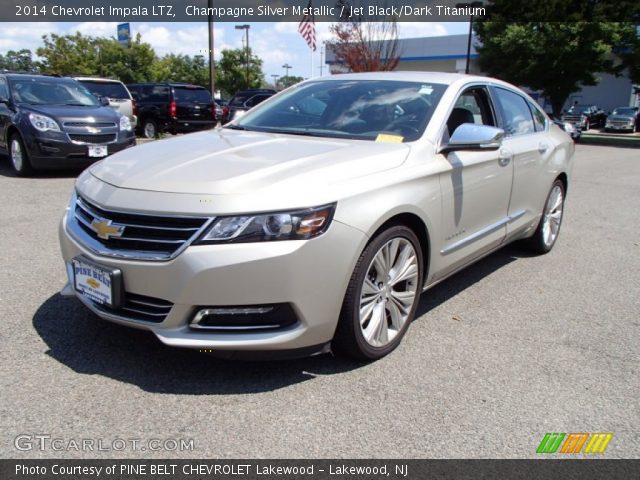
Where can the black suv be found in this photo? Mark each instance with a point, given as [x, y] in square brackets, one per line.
[172, 107]
[243, 101]
[52, 122]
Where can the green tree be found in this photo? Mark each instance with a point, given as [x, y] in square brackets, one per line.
[129, 63]
[557, 58]
[286, 81]
[69, 54]
[21, 61]
[182, 68]
[231, 71]
[84, 55]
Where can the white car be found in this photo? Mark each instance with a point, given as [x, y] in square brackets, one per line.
[316, 220]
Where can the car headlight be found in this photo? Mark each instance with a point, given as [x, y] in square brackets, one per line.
[125, 124]
[293, 225]
[569, 128]
[42, 123]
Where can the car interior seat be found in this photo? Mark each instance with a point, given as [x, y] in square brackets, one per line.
[458, 117]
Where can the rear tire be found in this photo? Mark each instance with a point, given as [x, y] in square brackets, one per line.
[548, 229]
[382, 295]
[149, 128]
[19, 156]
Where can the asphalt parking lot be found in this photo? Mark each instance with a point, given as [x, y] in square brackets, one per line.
[511, 348]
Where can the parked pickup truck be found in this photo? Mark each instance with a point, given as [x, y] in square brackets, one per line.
[585, 116]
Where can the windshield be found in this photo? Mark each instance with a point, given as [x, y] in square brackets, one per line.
[52, 92]
[106, 89]
[625, 111]
[190, 95]
[579, 109]
[359, 109]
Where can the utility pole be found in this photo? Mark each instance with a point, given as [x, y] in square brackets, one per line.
[286, 67]
[275, 80]
[246, 27]
[321, 59]
[471, 6]
[212, 73]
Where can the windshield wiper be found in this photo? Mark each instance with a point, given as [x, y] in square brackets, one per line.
[235, 127]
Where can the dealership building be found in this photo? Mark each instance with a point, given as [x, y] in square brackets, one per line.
[449, 54]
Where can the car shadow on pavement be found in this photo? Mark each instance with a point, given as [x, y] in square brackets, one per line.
[81, 341]
[88, 345]
[464, 279]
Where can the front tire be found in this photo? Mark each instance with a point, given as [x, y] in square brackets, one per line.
[382, 295]
[19, 156]
[548, 229]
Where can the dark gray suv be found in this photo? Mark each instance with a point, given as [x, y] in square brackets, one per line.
[54, 122]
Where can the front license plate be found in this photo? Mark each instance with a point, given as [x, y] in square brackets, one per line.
[94, 281]
[98, 151]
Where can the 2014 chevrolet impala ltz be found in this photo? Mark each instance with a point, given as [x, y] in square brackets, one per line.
[317, 219]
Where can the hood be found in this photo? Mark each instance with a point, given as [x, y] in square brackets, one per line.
[72, 113]
[223, 162]
[621, 117]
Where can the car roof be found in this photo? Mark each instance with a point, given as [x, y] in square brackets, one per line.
[95, 79]
[34, 76]
[172, 84]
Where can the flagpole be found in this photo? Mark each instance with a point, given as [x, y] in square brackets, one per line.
[312, 63]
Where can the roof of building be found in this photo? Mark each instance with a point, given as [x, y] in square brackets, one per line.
[428, 48]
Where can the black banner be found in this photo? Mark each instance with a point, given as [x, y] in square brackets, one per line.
[322, 10]
[318, 469]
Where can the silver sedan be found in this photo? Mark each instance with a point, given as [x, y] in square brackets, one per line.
[316, 220]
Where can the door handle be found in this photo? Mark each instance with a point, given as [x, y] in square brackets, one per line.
[505, 157]
[542, 147]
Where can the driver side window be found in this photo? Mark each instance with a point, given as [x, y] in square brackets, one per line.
[472, 106]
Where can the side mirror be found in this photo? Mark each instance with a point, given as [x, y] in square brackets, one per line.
[104, 101]
[474, 137]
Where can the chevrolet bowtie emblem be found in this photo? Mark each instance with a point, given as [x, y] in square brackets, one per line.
[105, 230]
[93, 130]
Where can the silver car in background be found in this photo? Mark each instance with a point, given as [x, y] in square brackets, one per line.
[117, 94]
[316, 220]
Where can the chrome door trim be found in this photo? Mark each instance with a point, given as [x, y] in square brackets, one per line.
[481, 233]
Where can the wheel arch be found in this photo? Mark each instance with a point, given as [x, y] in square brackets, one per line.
[418, 226]
[565, 181]
[10, 131]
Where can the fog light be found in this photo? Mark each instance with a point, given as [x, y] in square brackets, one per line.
[250, 317]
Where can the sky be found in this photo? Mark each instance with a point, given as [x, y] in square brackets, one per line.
[275, 43]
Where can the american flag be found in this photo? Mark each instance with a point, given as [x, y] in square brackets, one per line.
[307, 28]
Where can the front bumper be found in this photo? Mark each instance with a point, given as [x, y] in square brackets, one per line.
[185, 126]
[310, 276]
[52, 151]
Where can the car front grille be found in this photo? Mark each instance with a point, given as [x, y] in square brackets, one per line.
[92, 139]
[139, 308]
[130, 235]
[90, 124]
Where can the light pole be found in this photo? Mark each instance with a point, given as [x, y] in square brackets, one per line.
[275, 80]
[211, 64]
[246, 27]
[471, 6]
[286, 67]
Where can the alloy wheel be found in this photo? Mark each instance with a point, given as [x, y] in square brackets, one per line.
[552, 216]
[388, 292]
[17, 155]
[149, 130]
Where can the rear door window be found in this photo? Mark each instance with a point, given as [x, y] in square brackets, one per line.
[516, 116]
[191, 95]
[106, 89]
